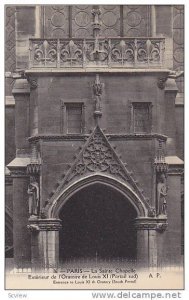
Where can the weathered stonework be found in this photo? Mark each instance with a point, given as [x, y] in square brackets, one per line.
[115, 64]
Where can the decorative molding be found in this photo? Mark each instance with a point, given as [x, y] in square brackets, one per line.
[158, 224]
[97, 155]
[19, 172]
[97, 52]
[110, 137]
[44, 224]
[8, 180]
[175, 171]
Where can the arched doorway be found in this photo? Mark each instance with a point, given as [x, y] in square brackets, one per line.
[97, 220]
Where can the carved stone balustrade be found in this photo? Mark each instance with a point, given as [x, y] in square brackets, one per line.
[102, 52]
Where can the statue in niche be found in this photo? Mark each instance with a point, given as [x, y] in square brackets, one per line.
[97, 89]
[161, 194]
[33, 200]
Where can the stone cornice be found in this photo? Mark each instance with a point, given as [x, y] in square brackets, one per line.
[111, 137]
[49, 71]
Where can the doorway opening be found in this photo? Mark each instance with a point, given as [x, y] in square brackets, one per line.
[98, 221]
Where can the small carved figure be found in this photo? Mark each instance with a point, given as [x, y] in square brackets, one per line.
[162, 194]
[97, 89]
[33, 192]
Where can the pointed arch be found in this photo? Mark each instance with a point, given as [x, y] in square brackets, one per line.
[53, 211]
[97, 156]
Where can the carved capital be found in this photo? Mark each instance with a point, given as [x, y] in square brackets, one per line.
[157, 224]
[44, 224]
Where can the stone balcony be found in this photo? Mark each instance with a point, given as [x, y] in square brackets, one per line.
[123, 53]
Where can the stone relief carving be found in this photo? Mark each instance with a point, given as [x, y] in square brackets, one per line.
[161, 194]
[97, 155]
[112, 52]
[97, 89]
[33, 197]
[161, 169]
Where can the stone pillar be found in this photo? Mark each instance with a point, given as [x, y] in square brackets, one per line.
[21, 236]
[142, 247]
[147, 228]
[44, 243]
[21, 92]
[170, 120]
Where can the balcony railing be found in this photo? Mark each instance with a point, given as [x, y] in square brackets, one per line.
[84, 53]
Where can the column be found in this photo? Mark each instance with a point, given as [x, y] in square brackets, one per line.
[18, 167]
[21, 236]
[44, 243]
[170, 129]
[147, 250]
[142, 247]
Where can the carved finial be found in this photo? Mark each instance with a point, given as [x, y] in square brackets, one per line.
[159, 161]
[96, 12]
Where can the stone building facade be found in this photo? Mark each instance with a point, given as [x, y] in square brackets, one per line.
[94, 133]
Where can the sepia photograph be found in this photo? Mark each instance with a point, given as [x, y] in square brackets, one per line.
[94, 146]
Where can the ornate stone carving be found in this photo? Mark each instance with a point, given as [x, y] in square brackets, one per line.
[121, 52]
[32, 81]
[151, 212]
[33, 197]
[97, 155]
[111, 137]
[148, 51]
[34, 167]
[161, 194]
[97, 89]
[44, 224]
[161, 169]
[161, 82]
[71, 52]
[159, 225]
[19, 172]
[96, 12]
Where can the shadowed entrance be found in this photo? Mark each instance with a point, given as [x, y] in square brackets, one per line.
[98, 221]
